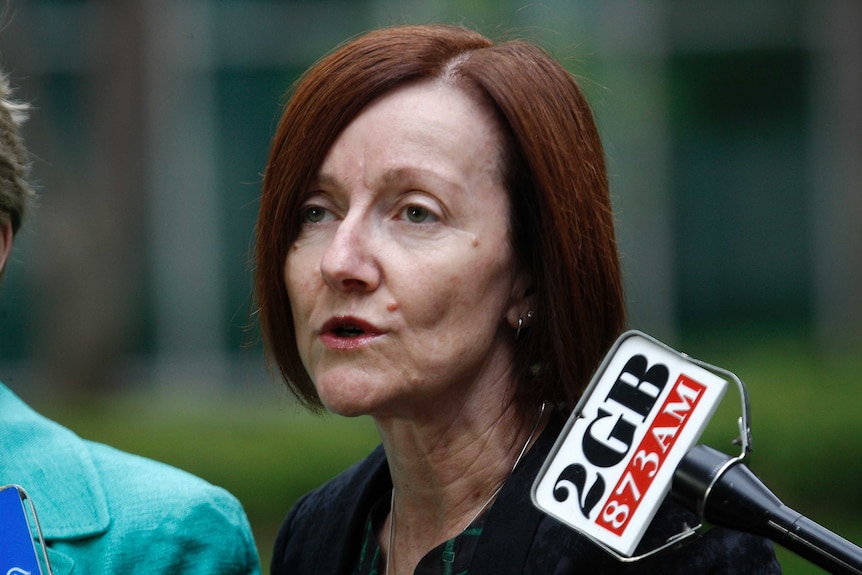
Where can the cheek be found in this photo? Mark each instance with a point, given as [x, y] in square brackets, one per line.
[301, 291]
[471, 295]
[299, 277]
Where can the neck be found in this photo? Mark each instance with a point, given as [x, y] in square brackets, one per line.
[445, 476]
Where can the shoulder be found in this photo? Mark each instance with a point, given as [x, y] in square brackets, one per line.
[561, 550]
[718, 550]
[318, 531]
[132, 478]
[522, 539]
[103, 510]
[175, 517]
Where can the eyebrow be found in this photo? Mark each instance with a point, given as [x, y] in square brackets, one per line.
[390, 177]
[323, 180]
[396, 175]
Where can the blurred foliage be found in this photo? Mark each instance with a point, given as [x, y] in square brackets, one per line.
[806, 425]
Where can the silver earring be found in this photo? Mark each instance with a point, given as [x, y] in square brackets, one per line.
[530, 315]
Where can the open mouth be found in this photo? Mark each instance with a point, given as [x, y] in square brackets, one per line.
[348, 331]
[344, 327]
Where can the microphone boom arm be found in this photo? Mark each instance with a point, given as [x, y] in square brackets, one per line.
[724, 492]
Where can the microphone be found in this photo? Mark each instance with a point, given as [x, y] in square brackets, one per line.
[630, 442]
[725, 492]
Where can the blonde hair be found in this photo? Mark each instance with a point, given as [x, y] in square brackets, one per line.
[15, 192]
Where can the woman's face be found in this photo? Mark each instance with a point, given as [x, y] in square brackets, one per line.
[403, 284]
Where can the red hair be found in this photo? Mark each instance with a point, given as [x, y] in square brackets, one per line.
[562, 223]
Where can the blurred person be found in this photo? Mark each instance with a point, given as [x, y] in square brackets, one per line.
[102, 510]
[436, 249]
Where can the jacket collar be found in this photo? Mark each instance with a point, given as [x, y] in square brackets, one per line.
[55, 468]
[513, 518]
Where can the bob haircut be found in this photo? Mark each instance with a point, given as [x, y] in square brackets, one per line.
[561, 221]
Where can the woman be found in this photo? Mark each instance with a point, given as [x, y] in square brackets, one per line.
[436, 250]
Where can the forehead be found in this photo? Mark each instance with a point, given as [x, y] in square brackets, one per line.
[422, 122]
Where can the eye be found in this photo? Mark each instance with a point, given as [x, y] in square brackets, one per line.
[314, 214]
[418, 214]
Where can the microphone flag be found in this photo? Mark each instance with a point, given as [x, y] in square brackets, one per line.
[613, 464]
[17, 548]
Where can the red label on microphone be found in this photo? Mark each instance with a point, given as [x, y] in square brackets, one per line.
[651, 455]
[614, 462]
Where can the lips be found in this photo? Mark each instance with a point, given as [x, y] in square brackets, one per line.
[347, 332]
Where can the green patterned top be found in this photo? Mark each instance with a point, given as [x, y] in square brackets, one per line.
[451, 557]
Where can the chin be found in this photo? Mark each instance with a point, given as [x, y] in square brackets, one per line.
[346, 402]
[351, 394]
[357, 405]
[342, 409]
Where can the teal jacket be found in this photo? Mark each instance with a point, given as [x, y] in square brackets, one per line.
[104, 511]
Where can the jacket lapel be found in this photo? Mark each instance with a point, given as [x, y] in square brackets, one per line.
[55, 468]
[513, 521]
[374, 481]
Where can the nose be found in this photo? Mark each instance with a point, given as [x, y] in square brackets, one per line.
[350, 263]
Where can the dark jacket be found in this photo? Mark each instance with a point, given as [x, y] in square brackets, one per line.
[323, 531]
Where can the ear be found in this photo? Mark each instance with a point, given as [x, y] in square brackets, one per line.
[5, 241]
[521, 301]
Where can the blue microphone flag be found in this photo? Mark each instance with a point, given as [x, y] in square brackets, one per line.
[17, 549]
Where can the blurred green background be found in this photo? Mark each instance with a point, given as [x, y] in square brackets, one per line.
[733, 131]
